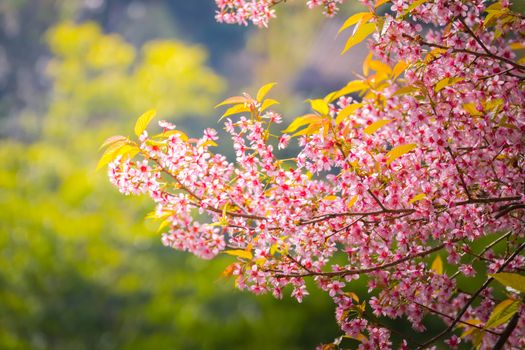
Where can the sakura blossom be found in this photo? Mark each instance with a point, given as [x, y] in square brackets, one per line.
[393, 185]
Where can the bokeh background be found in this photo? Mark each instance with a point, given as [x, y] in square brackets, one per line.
[80, 267]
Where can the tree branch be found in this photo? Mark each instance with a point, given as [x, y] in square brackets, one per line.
[368, 269]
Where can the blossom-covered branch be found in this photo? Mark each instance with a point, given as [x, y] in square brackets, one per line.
[397, 174]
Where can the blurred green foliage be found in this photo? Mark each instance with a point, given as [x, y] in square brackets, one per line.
[81, 269]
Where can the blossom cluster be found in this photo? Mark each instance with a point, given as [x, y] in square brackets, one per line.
[394, 185]
[260, 12]
[242, 12]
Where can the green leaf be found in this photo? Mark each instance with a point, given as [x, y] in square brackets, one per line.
[360, 34]
[513, 280]
[143, 121]
[502, 313]
[372, 128]
[398, 151]
[264, 90]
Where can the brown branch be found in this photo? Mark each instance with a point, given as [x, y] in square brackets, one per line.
[487, 200]
[323, 217]
[368, 269]
[377, 200]
[478, 40]
[230, 213]
[470, 52]
[510, 208]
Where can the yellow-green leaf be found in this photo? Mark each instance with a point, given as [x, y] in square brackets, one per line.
[301, 121]
[233, 101]
[353, 296]
[264, 90]
[366, 63]
[399, 68]
[267, 104]
[311, 129]
[381, 2]
[330, 198]
[476, 337]
[352, 201]
[330, 97]
[112, 140]
[494, 6]
[380, 67]
[347, 111]
[446, 82]
[502, 313]
[412, 6]
[398, 151]
[517, 46]
[168, 133]
[163, 225]
[360, 337]
[509, 279]
[417, 197]
[406, 90]
[353, 86]
[320, 106]
[238, 108]
[127, 150]
[110, 153]
[493, 104]
[209, 143]
[143, 121]
[372, 128]
[244, 254]
[354, 19]
[437, 265]
[360, 34]
[471, 109]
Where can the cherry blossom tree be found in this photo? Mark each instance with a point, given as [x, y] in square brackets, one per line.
[401, 176]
